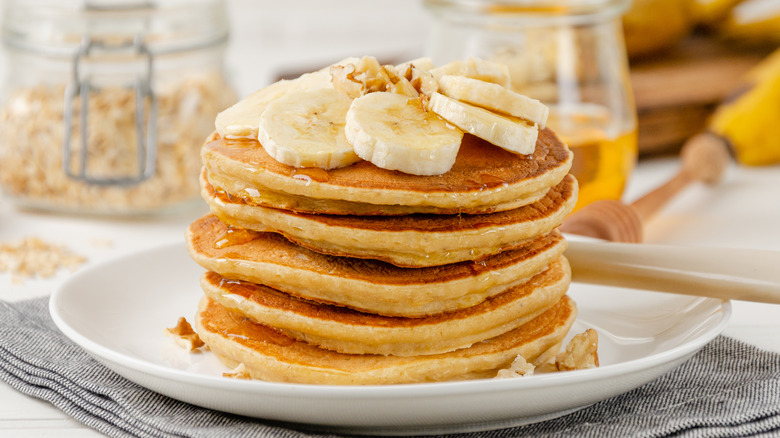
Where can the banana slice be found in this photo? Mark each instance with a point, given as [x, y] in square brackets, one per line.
[305, 128]
[394, 132]
[494, 97]
[241, 119]
[510, 133]
[476, 68]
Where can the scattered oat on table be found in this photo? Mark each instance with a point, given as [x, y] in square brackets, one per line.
[32, 257]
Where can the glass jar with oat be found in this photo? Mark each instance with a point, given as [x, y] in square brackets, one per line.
[105, 104]
[570, 55]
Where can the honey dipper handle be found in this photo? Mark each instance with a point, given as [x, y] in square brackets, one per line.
[736, 274]
[649, 204]
[704, 158]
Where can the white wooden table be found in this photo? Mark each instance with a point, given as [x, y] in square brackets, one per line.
[272, 37]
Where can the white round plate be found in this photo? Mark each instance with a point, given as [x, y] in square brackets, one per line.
[118, 310]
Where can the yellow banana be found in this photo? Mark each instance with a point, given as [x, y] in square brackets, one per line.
[710, 12]
[749, 121]
[394, 132]
[753, 21]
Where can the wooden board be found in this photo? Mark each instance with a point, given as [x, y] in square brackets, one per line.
[675, 92]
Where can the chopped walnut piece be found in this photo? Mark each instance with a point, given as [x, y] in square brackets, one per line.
[423, 81]
[368, 76]
[343, 80]
[184, 335]
[581, 353]
[519, 368]
[398, 83]
[239, 372]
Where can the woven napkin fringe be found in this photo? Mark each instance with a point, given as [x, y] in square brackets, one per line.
[78, 404]
[727, 389]
[38, 360]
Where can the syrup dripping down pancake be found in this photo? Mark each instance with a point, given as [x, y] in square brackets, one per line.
[271, 355]
[484, 178]
[363, 284]
[349, 331]
[408, 241]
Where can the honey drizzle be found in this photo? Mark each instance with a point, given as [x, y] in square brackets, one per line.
[486, 181]
[234, 236]
[309, 174]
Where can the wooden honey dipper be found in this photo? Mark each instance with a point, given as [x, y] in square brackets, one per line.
[704, 158]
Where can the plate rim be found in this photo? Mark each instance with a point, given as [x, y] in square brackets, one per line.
[390, 392]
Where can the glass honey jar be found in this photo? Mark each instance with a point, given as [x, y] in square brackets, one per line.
[570, 55]
[105, 104]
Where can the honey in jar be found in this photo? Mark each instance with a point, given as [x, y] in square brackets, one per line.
[603, 159]
[569, 55]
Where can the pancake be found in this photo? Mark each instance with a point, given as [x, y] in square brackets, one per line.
[363, 284]
[264, 197]
[483, 178]
[349, 331]
[415, 240]
[271, 355]
[363, 275]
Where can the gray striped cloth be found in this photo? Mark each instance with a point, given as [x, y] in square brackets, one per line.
[728, 389]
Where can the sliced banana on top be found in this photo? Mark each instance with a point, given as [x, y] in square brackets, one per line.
[494, 97]
[305, 128]
[240, 120]
[394, 132]
[475, 68]
[510, 133]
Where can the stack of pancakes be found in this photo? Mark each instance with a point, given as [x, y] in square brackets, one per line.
[361, 275]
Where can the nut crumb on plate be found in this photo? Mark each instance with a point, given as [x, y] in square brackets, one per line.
[519, 368]
[239, 372]
[581, 353]
[184, 335]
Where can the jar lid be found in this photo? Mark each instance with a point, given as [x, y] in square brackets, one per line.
[57, 27]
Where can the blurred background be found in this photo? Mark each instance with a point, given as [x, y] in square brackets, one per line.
[686, 55]
[687, 66]
[272, 39]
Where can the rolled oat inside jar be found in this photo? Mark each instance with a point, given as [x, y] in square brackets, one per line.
[126, 109]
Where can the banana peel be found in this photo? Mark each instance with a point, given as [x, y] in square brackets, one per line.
[740, 21]
[749, 119]
[711, 12]
[650, 26]
[752, 21]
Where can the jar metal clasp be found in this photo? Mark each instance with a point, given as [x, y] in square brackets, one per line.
[145, 115]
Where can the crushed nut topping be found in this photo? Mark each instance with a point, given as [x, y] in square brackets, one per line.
[581, 353]
[184, 335]
[368, 76]
[519, 368]
[239, 372]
